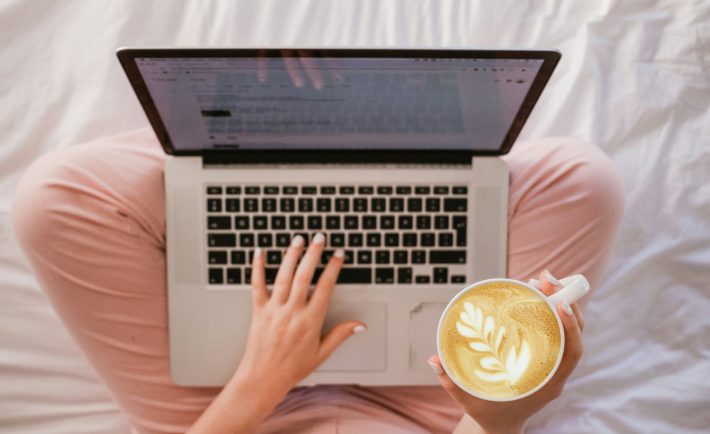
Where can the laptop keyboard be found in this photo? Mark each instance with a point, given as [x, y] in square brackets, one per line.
[391, 234]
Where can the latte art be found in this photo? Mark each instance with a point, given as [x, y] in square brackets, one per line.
[500, 340]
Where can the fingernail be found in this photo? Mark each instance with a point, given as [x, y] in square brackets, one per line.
[297, 241]
[359, 328]
[567, 308]
[550, 278]
[257, 253]
[319, 238]
[534, 282]
[435, 367]
[339, 253]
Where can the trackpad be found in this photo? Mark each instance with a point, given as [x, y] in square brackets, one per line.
[364, 351]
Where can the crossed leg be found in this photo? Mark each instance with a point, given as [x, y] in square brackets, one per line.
[91, 220]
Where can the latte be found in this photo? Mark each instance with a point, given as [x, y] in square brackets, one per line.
[500, 340]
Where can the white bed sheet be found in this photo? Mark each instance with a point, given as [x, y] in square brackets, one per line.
[634, 78]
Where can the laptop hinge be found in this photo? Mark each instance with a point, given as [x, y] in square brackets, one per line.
[336, 157]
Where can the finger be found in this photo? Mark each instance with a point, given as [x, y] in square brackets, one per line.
[282, 284]
[324, 288]
[292, 67]
[455, 391]
[548, 283]
[573, 342]
[261, 66]
[259, 294]
[580, 316]
[336, 336]
[306, 269]
[312, 69]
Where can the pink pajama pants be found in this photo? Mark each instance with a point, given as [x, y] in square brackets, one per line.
[91, 220]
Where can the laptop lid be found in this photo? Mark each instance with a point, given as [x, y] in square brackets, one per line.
[337, 105]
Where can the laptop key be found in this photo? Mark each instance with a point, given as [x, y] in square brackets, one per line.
[414, 204]
[355, 240]
[355, 275]
[384, 189]
[309, 189]
[271, 189]
[327, 189]
[251, 205]
[337, 239]
[278, 222]
[270, 274]
[234, 276]
[418, 257]
[238, 257]
[332, 222]
[315, 222]
[427, 239]
[232, 205]
[260, 222]
[422, 279]
[234, 190]
[386, 222]
[247, 276]
[396, 204]
[455, 205]
[216, 275]
[323, 204]
[364, 257]
[446, 239]
[365, 190]
[268, 204]
[221, 240]
[441, 189]
[384, 275]
[409, 239]
[295, 222]
[458, 278]
[404, 275]
[460, 190]
[369, 222]
[405, 222]
[447, 257]
[423, 222]
[283, 239]
[347, 189]
[241, 222]
[214, 205]
[349, 257]
[378, 204]
[459, 224]
[350, 222]
[422, 190]
[403, 189]
[273, 257]
[382, 257]
[290, 189]
[246, 240]
[401, 257]
[342, 204]
[441, 222]
[265, 240]
[433, 204]
[214, 190]
[252, 190]
[287, 204]
[305, 204]
[441, 275]
[374, 239]
[217, 257]
[391, 239]
[325, 256]
[360, 204]
[219, 222]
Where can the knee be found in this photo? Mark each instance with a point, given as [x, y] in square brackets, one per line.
[588, 177]
[39, 198]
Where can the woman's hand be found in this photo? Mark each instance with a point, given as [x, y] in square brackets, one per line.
[511, 416]
[284, 343]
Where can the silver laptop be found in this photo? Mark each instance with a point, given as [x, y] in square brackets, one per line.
[392, 154]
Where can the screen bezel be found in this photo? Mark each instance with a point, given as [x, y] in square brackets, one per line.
[127, 56]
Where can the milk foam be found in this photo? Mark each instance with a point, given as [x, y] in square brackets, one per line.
[500, 340]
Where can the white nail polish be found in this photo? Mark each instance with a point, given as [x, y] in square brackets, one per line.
[319, 238]
[339, 253]
[436, 368]
[534, 283]
[297, 241]
[358, 329]
[257, 253]
[567, 308]
[550, 278]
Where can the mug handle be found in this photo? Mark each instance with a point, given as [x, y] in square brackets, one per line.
[573, 288]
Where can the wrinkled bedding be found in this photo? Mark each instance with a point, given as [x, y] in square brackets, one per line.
[635, 78]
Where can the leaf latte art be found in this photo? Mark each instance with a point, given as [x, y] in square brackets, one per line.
[501, 364]
[500, 340]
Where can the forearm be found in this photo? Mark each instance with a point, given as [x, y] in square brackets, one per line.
[469, 426]
[239, 408]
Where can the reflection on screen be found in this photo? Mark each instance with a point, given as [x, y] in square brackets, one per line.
[337, 103]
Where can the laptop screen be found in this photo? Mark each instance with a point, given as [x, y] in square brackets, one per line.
[310, 101]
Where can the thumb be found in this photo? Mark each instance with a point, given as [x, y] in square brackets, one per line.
[337, 336]
[455, 391]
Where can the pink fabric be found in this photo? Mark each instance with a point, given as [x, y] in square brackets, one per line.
[91, 220]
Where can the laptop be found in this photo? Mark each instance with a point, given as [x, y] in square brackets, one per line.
[392, 153]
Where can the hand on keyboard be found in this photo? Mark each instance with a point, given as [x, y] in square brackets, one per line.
[284, 343]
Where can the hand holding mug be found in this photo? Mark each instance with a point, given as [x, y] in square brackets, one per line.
[500, 408]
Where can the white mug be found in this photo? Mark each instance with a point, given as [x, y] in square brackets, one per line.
[573, 288]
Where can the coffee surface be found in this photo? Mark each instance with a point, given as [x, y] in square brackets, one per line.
[500, 340]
